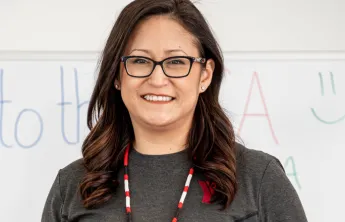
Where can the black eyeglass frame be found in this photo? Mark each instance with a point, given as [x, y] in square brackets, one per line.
[160, 63]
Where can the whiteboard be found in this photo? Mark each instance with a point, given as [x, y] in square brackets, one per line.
[291, 107]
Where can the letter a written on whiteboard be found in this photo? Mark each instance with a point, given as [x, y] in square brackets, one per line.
[255, 79]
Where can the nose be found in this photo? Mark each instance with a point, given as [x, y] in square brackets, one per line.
[158, 78]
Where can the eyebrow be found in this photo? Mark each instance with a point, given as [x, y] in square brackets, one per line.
[165, 51]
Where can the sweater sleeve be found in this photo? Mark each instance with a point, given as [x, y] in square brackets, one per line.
[278, 200]
[53, 205]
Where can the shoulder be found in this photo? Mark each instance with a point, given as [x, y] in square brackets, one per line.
[76, 165]
[72, 169]
[254, 162]
[264, 187]
[251, 169]
[70, 176]
[254, 169]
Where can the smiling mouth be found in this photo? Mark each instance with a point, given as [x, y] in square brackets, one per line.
[327, 122]
[158, 99]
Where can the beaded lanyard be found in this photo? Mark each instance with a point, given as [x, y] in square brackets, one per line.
[128, 205]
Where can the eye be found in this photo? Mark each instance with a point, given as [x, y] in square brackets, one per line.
[176, 62]
[140, 61]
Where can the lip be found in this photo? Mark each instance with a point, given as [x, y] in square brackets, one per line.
[155, 94]
[157, 102]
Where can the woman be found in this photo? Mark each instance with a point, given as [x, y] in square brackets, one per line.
[160, 147]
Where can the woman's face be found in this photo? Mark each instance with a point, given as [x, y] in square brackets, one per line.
[159, 37]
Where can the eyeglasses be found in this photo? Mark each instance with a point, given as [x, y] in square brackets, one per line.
[173, 67]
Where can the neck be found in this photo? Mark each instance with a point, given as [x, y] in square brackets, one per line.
[158, 142]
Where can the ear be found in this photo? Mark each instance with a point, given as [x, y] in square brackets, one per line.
[206, 75]
[117, 84]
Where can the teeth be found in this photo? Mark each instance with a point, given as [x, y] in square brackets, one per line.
[157, 98]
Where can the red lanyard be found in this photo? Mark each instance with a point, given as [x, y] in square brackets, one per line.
[126, 180]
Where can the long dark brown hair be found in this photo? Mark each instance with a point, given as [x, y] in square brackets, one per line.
[211, 139]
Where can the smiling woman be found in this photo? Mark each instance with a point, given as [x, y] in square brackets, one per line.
[180, 74]
[160, 146]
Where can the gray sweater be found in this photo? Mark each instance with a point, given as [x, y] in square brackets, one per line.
[156, 182]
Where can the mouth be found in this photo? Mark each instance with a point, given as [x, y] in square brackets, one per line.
[157, 98]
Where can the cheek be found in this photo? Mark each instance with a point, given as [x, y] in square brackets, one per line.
[193, 82]
[129, 88]
[189, 91]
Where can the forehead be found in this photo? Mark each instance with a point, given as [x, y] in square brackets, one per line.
[160, 33]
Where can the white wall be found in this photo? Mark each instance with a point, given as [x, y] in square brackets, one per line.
[246, 25]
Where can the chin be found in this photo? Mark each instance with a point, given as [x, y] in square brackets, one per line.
[159, 122]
